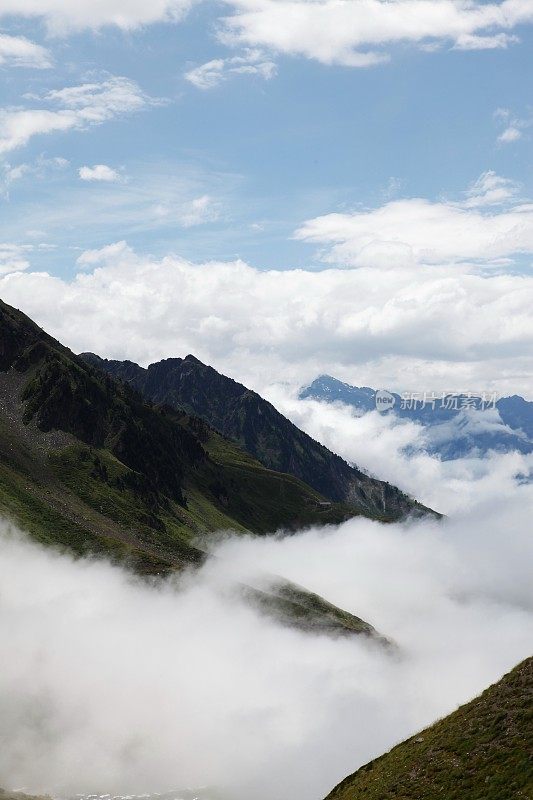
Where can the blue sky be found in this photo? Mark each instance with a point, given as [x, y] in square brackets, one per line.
[268, 153]
[282, 187]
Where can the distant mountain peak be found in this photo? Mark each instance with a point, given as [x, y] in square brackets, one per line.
[452, 429]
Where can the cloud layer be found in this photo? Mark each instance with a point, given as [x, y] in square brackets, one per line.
[17, 51]
[401, 327]
[488, 226]
[108, 685]
[357, 33]
[63, 17]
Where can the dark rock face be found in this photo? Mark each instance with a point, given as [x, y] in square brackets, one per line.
[144, 457]
[245, 417]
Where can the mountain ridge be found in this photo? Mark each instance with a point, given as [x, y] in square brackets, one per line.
[255, 424]
[87, 465]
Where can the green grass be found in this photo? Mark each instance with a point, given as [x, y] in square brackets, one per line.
[480, 752]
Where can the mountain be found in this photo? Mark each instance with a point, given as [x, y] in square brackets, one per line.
[255, 425]
[454, 425]
[480, 752]
[87, 464]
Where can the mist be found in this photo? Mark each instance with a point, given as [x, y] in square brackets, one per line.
[393, 449]
[112, 684]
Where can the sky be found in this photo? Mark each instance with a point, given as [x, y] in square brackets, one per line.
[342, 187]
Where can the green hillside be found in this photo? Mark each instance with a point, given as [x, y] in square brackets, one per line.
[483, 751]
[87, 464]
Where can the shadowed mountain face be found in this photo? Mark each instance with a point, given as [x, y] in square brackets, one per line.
[454, 425]
[480, 752]
[243, 416]
[87, 464]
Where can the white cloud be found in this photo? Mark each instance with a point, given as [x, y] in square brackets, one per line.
[510, 134]
[354, 32]
[490, 189]
[399, 327]
[17, 51]
[214, 72]
[418, 231]
[498, 42]
[110, 253]
[63, 17]
[13, 257]
[80, 107]
[99, 172]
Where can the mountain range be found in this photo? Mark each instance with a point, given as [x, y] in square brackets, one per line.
[142, 466]
[454, 425]
[241, 415]
[89, 464]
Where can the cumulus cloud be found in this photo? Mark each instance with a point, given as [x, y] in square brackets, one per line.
[358, 32]
[99, 172]
[64, 17]
[412, 231]
[79, 107]
[212, 73]
[17, 51]
[399, 327]
[108, 684]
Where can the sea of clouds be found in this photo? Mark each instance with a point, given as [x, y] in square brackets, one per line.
[111, 684]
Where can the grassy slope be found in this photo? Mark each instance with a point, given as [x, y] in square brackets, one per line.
[87, 465]
[480, 752]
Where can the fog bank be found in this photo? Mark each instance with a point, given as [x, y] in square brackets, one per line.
[112, 685]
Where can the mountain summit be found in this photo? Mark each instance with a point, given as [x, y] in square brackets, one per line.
[243, 416]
